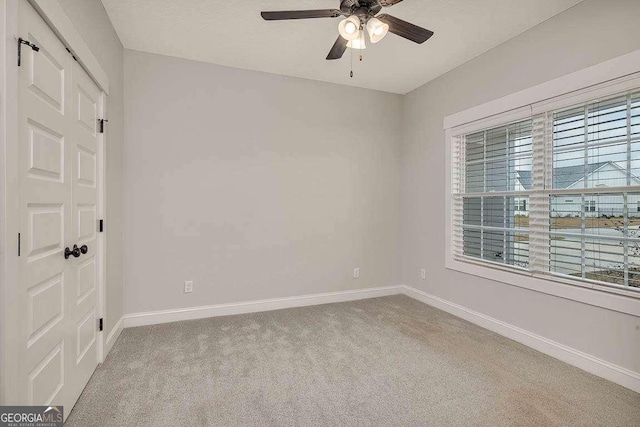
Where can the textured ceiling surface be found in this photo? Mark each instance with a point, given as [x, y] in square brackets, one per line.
[232, 33]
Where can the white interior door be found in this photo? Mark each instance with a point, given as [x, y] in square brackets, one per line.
[59, 107]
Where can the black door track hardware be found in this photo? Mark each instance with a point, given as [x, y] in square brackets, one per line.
[102, 122]
[22, 41]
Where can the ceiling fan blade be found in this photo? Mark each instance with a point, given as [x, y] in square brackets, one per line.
[338, 48]
[300, 14]
[405, 29]
[388, 3]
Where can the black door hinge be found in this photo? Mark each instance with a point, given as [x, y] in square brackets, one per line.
[101, 225]
[22, 41]
[18, 244]
[100, 324]
[102, 121]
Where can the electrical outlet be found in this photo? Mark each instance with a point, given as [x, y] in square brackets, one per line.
[423, 274]
[188, 286]
[356, 273]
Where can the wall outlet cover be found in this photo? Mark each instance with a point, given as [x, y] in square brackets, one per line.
[188, 286]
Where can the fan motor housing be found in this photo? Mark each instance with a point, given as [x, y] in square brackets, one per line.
[363, 9]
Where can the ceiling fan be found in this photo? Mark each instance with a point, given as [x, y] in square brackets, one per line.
[360, 15]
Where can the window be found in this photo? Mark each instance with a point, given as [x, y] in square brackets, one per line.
[590, 206]
[553, 194]
[494, 225]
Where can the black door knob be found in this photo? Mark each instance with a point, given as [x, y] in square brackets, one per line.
[75, 252]
[84, 249]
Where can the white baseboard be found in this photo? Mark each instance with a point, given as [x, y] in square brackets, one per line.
[113, 336]
[584, 361]
[164, 316]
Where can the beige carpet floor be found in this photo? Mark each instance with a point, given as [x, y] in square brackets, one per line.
[389, 361]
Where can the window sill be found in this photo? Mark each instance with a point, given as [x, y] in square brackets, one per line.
[615, 299]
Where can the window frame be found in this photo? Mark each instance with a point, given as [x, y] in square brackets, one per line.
[590, 206]
[603, 80]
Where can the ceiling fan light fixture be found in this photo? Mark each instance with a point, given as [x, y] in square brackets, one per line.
[349, 28]
[358, 42]
[377, 29]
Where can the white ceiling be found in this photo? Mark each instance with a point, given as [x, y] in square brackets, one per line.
[231, 32]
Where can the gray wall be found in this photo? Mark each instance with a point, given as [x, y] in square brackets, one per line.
[563, 44]
[93, 24]
[254, 185]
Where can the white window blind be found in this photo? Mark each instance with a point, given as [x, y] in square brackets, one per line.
[490, 199]
[555, 194]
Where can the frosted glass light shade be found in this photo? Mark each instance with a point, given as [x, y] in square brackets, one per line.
[377, 29]
[349, 28]
[358, 43]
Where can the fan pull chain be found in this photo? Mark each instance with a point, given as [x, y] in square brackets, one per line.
[361, 42]
[351, 55]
